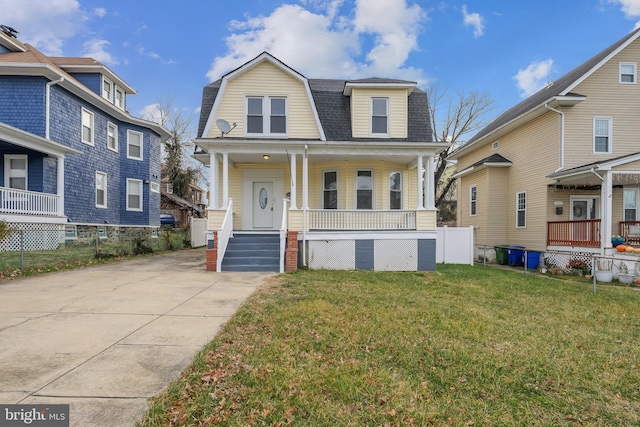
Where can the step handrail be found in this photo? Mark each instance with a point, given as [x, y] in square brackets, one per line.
[283, 234]
[224, 233]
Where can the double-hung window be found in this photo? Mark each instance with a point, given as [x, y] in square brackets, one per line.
[87, 127]
[266, 115]
[119, 98]
[380, 116]
[628, 72]
[473, 201]
[330, 190]
[101, 190]
[602, 135]
[134, 195]
[521, 210]
[107, 90]
[395, 190]
[364, 189]
[16, 171]
[112, 137]
[134, 145]
[630, 204]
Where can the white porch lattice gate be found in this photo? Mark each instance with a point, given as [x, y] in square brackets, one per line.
[198, 227]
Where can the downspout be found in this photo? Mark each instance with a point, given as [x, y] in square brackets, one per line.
[561, 136]
[305, 197]
[48, 104]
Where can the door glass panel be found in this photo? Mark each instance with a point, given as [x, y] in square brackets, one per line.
[263, 198]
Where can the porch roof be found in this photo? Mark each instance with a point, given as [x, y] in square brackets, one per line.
[495, 160]
[579, 173]
[33, 142]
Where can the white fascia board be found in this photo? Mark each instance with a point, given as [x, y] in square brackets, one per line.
[600, 64]
[348, 87]
[28, 140]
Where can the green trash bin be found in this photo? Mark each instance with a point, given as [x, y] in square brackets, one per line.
[502, 257]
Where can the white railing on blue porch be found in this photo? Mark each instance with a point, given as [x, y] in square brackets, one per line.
[283, 234]
[28, 202]
[225, 232]
[361, 220]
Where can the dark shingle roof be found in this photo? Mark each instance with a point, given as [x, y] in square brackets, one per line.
[334, 109]
[557, 88]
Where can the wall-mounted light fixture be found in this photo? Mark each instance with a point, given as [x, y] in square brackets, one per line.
[266, 156]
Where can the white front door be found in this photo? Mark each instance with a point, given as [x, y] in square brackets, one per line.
[583, 208]
[263, 202]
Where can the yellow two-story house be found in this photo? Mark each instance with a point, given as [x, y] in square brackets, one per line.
[333, 174]
[560, 171]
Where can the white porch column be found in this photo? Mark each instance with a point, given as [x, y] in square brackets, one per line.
[60, 186]
[420, 184]
[214, 173]
[431, 196]
[606, 197]
[293, 202]
[225, 180]
[305, 181]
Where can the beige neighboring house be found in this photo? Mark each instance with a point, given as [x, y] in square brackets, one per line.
[342, 168]
[561, 169]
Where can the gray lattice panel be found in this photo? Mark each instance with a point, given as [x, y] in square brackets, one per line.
[332, 254]
[37, 237]
[395, 255]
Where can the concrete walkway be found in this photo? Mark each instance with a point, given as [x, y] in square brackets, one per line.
[104, 339]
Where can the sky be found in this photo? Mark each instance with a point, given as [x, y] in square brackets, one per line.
[172, 49]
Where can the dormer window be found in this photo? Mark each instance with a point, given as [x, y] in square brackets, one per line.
[380, 116]
[119, 98]
[266, 115]
[628, 72]
[107, 90]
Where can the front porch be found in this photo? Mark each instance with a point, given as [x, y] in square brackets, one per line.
[586, 233]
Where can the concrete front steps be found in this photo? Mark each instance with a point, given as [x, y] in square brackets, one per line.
[258, 251]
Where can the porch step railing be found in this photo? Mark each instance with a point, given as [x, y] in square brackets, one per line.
[224, 234]
[630, 230]
[585, 233]
[361, 220]
[28, 202]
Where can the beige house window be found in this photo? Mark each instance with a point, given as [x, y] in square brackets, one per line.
[602, 134]
[473, 200]
[364, 189]
[395, 190]
[628, 71]
[380, 116]
[521, 210]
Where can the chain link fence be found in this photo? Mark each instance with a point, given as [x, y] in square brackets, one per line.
[55, 246]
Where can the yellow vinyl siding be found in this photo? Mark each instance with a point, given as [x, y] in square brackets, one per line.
[606, 97]
[268, 80]
[361, 111]
[479, 221]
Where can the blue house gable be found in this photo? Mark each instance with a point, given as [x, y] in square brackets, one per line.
[69, 151]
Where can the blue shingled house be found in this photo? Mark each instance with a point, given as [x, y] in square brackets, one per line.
[70, 152]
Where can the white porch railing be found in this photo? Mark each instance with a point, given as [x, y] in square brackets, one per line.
[361, 220]
[283, 234]
[224, 234]
[28, 202]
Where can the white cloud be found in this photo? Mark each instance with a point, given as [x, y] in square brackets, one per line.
[96, 49]
[631, 8]
[534, 77]
[100, 12]
[46, 24]
[339, 39]
[152, 113]
[142, 51]
[474, 20]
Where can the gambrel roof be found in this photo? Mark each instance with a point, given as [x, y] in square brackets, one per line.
[332, 105]
[561, 90]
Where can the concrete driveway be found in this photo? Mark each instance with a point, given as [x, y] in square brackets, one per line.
[104, 339]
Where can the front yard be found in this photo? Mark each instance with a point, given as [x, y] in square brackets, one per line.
[464, 346]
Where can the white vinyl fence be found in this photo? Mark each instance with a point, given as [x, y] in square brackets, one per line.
[198, 227]
[455, 245]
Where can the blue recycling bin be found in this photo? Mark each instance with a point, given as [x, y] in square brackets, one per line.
[515, 254]
[533, 260]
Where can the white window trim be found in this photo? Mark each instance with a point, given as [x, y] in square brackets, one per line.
[610, 144]
[635, 73]
[93, 126]
[518, 209]
[471, 201]
[373, 189]
[637, 202]
[154, 187]
[337, 188]
[401, 189]
[106, 82]
[266, 115]
[7, 168]
[115, 135]
[129, 181]
[130, 132]
[115, 99]
[106, 185]
[379, 135]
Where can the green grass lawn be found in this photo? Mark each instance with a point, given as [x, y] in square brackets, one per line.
[463, 346]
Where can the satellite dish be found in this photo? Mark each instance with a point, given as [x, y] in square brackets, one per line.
[224, 126]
